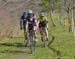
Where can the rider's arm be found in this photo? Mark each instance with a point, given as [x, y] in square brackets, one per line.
[21, 23]
[38, 22]
[26, 26]
[47, 23]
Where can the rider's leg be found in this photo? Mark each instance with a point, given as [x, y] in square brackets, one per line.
[47, 32]
[36, 36]
[26, 39]
[41, 33]
[35, 33]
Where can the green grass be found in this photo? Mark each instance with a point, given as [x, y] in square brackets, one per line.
[63, 46]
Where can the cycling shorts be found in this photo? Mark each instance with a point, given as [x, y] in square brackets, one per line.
[42, 24]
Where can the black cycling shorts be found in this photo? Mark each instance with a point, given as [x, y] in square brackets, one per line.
[42, 24]
[30, 27]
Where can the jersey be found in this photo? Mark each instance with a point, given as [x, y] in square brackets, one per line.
[23, 19]
[42, 19]
[31, 22]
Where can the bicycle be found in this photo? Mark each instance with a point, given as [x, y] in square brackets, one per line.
[32, 40]
[43, 31]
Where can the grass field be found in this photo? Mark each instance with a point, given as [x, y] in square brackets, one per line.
[62, 47]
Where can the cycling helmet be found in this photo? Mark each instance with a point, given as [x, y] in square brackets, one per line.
[42, 14]
[30, 11]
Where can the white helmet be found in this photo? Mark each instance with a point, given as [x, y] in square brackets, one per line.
[30, 11]
[42, 14]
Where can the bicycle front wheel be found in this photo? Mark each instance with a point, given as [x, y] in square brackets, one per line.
[32, 41]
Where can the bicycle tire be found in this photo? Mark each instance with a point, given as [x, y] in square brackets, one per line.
[32, 38]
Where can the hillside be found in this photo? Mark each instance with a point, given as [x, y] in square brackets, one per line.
[11, 10]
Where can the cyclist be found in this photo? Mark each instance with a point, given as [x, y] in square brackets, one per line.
[31, 21]
[43, 22]
[23, 21]
[23, 24]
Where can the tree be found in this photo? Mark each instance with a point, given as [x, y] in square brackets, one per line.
[67, 7]
[50, 6]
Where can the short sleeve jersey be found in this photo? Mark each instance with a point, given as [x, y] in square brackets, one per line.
[42, 19]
